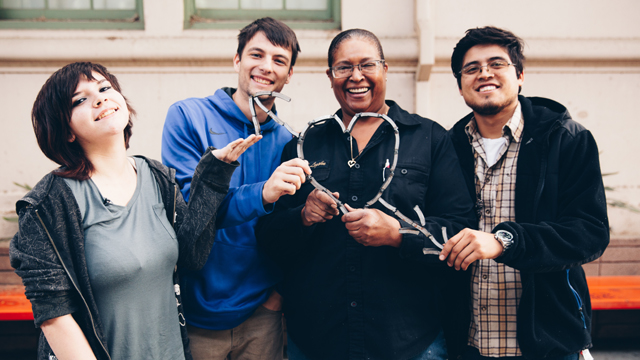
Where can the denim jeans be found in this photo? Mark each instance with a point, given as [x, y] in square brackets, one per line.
[436, 351]
[473, 354]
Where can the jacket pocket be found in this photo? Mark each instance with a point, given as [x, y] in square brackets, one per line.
[321, 173]
[578, 299]
[408, 179]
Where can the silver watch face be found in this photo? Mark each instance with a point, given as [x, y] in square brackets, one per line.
[504, 235]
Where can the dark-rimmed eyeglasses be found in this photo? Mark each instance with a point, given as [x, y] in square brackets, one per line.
[493, 66]
[369, 68]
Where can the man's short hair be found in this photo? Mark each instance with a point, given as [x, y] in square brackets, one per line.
[276, 31]
[488, 35]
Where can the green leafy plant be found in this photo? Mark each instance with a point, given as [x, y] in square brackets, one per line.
[23, 186]
[615, 202]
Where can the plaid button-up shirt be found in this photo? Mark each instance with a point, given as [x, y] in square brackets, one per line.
[495, 288]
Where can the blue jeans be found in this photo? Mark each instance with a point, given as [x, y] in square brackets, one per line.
[473, 354]
[436, 351]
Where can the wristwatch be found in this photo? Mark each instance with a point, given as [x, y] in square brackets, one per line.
[505, 237]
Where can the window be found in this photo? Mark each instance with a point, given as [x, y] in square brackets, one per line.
[71, 14]
[299, 14]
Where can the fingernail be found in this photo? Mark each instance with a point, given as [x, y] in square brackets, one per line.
[441, 257]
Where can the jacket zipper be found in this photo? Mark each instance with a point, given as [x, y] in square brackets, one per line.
[176, 287]
[578, 300]
[543, 169]
[175, 198]
[93, 326]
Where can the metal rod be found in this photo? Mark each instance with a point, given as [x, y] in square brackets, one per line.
[255, 99]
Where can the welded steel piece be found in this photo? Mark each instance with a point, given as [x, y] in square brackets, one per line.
[255, 100]
[395, 149]
[347, 131]
[310, 125]
[415, 228]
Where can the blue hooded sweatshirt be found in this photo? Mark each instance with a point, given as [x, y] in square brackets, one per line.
[236, 279]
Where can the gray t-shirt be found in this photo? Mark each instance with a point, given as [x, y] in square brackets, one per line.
[131, 252]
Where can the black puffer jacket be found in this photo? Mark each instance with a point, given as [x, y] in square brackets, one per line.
[48, 250]
[561, 223]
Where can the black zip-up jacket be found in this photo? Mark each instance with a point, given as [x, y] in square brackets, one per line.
[561, 223]
[48, 250]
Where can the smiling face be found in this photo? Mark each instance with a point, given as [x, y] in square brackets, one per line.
[490, 92]
[262, 66]
[98, 112]
[359, 92]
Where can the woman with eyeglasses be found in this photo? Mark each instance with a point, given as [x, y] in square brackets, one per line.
[355, 287]
[100, 237]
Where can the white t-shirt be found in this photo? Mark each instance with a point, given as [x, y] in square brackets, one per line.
[492, 148]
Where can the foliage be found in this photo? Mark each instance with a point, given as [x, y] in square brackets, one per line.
[24, 186]
[618, 203]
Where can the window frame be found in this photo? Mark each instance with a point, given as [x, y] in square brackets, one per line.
[237, 18]
[72, 18]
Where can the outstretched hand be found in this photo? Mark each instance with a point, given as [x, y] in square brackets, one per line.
[234, 149]
[372, 227]
[468, 246]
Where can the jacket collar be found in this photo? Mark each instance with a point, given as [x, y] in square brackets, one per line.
[43, 187]
[160, 169]
[37, 193]
[541, 116]
[397, 114]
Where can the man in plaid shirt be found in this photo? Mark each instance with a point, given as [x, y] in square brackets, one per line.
[541, 207]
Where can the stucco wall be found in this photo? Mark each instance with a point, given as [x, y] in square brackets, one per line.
[584, 54]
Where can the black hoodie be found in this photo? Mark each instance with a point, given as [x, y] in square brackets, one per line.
[561, 223]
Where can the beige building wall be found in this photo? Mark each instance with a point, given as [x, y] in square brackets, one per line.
[582, 53]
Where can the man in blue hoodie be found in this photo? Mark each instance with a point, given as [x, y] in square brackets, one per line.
[231, 308]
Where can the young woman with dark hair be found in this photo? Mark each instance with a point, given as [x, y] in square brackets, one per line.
[100, 237]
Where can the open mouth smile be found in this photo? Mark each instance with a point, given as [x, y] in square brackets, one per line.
[486, 88]
[106, 113]
[358, 90]
[262, 80]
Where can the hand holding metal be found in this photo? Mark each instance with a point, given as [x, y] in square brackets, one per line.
[393, 209]
[348, 130]
[417, 228]
[255, 99]
[311, 124]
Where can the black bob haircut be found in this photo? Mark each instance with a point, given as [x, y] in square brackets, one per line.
[51, 117]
